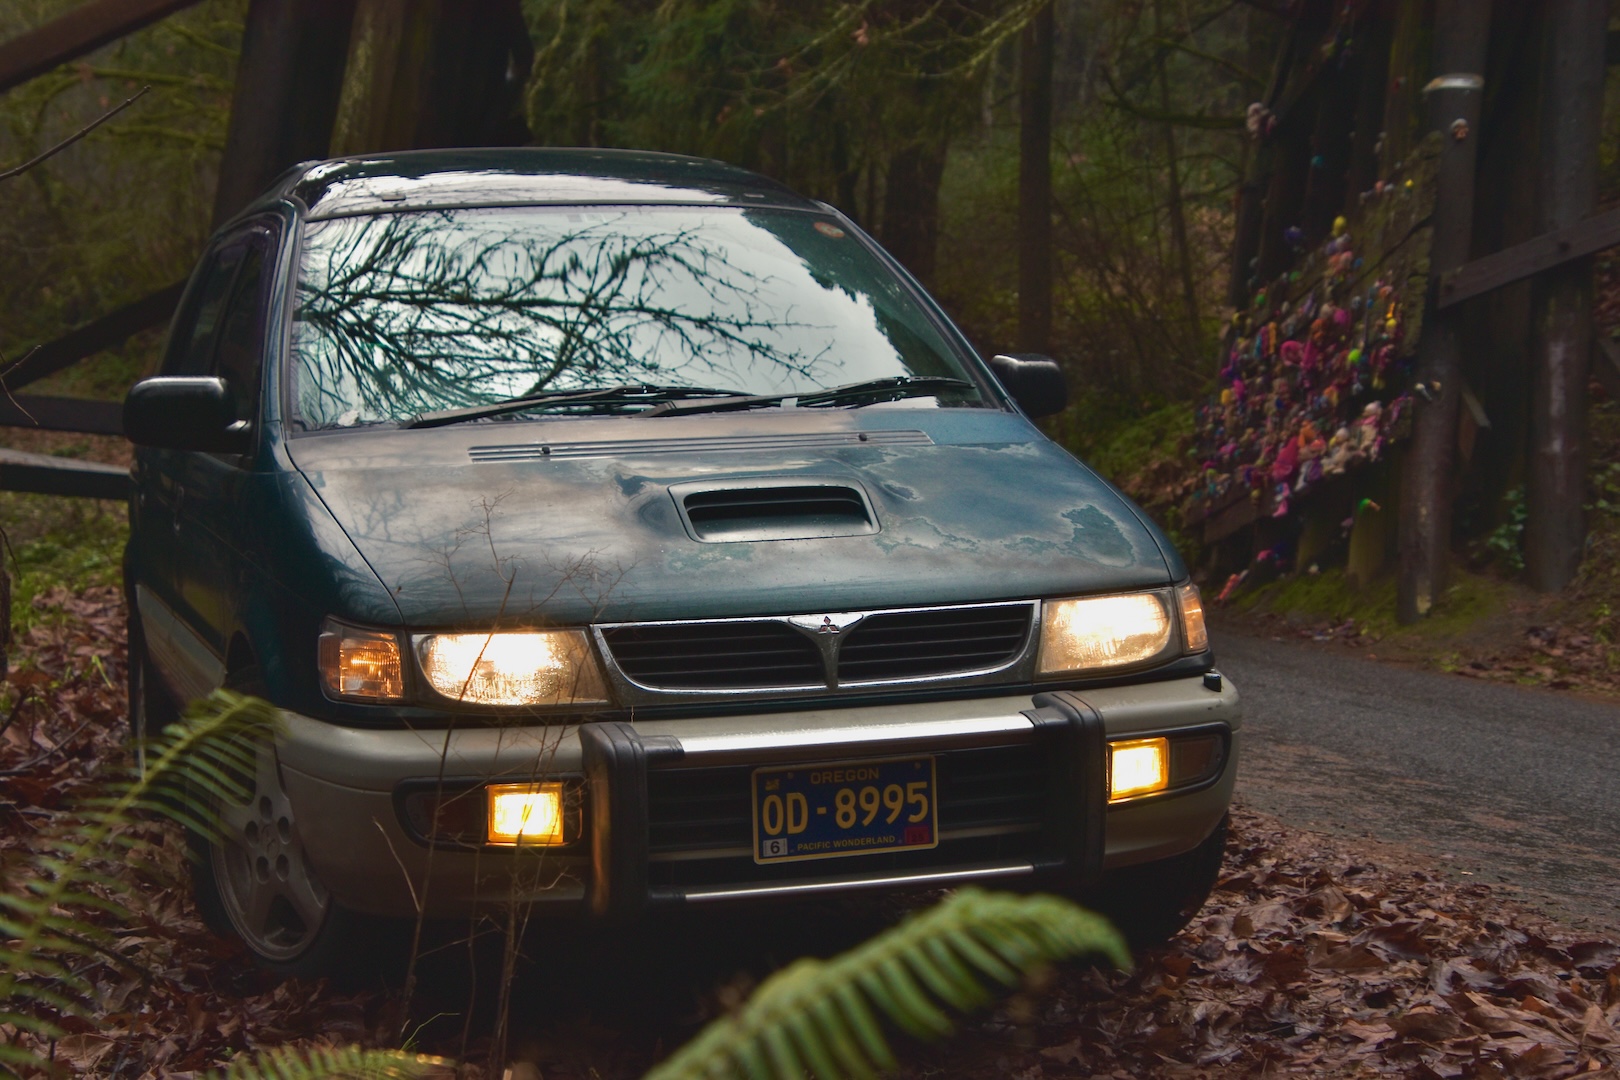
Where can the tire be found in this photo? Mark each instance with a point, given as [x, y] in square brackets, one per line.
[1151, 903]
[254, 881]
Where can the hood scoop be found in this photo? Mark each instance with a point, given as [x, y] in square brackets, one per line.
[773, 508]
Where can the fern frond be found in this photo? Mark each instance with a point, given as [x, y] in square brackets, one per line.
[48, 917]
[820, 1015]
[334, 1063]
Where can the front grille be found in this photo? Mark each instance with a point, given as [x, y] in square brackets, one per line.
[917, 644]
[715, 656]
[993, 803]
[795, 653]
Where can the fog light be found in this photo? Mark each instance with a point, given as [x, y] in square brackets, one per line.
[1138, 767]
[526, 814]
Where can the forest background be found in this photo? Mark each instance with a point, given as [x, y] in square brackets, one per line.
[906, 114]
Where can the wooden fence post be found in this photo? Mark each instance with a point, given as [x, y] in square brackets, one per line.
[1461, 34]
[1572, 64]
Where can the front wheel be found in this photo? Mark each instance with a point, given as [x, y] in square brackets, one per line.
[253, 879]
[1152, 902]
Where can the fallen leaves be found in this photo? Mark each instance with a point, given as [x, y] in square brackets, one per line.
[1310, 961]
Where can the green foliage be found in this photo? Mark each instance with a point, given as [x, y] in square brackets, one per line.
[809, 92]
[334, 1063]
[124, 211]
[1117, 443]
[1507, 539]
[54, 906]
[822, 1017]
[59, 543]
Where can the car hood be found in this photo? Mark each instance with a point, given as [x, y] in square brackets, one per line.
[575, 521]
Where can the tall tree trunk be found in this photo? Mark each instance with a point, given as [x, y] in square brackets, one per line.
[1561, 312]
[1261, 156]
[1177, 212]
[911, 206]
[1461, 34]
[425, 73]
[1035, 183]
[287, 85]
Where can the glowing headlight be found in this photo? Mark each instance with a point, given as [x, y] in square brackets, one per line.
[535, 667]
[1102, 632]
[361, 664]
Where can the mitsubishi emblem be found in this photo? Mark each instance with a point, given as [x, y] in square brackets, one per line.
[835, 622]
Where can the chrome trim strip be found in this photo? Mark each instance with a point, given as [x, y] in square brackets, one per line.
[820, 885]
[778, 743]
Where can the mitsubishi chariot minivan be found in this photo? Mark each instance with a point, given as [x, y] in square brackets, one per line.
[617, 531]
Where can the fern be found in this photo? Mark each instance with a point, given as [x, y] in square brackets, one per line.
[49, 935]
[822, 1017]
[335, 1063]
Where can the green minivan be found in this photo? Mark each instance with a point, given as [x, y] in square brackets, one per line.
[619, 531]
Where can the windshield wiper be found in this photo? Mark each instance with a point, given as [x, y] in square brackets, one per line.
[632, 393]
[889, 388]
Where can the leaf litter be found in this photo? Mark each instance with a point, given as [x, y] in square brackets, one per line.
[1310, 959]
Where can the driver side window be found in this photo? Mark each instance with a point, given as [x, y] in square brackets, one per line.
[222, 333]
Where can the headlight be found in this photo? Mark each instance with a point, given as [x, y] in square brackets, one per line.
[1098, 632]
[533, 667]
[360, 664]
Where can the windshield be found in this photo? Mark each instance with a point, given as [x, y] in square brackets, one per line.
[399, 315]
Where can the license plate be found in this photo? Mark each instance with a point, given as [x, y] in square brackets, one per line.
[840, 808]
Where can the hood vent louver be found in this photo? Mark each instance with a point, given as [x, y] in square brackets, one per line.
[773, 508]
[789, 442]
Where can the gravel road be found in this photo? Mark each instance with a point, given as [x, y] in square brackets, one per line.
[1512, 787]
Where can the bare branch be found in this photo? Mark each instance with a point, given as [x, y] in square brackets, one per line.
[75, 137]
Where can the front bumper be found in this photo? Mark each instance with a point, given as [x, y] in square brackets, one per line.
[667, 814]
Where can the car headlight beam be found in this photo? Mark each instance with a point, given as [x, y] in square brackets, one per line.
[1099, 632]
[528, 667]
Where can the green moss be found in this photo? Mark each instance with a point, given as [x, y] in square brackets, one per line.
[1468, 601]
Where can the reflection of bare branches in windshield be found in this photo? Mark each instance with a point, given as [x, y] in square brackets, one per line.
[411, 312]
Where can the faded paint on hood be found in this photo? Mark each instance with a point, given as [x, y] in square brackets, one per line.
[989, 509]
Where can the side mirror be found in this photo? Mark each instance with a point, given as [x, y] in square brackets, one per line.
[1034, 381]
[184, 413]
